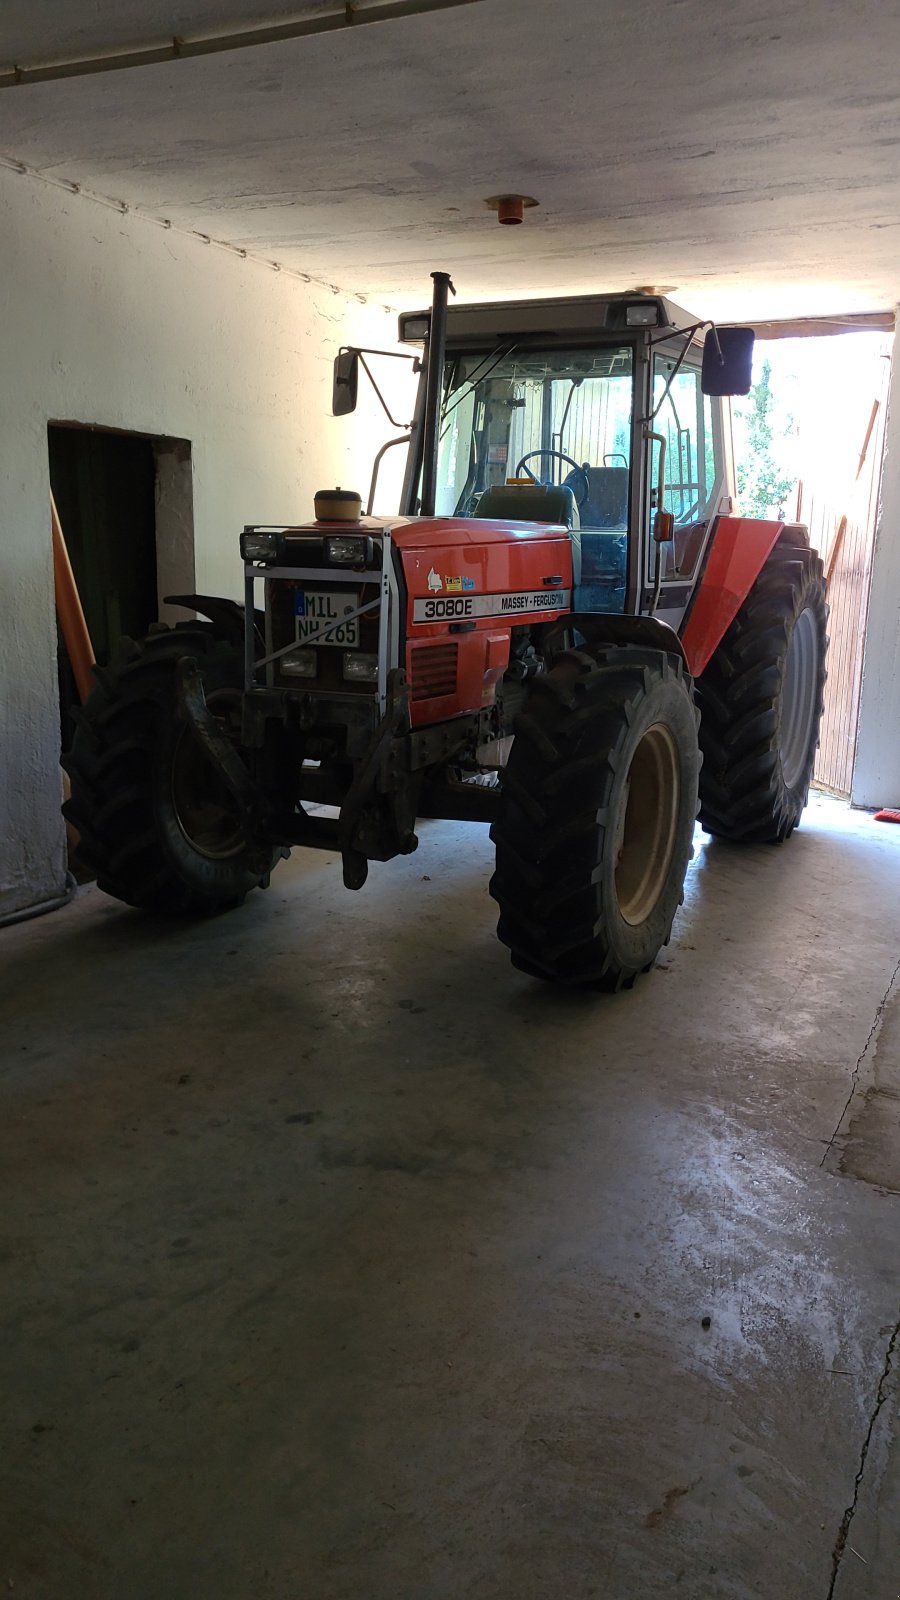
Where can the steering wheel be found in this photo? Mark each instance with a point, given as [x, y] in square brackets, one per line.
[560, 455]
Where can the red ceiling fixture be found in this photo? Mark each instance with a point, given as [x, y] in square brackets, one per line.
[510, 208]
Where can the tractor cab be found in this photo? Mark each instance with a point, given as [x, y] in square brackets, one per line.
[605, 424]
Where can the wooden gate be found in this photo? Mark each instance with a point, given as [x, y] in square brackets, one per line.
[842, 527]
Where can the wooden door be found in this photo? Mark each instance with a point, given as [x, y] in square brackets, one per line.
[842, 528]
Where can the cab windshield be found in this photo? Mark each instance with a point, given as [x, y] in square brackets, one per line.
[560, 416]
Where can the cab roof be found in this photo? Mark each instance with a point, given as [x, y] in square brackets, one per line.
[569, 318]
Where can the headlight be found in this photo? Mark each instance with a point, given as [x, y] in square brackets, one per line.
[348, 549]
[299, 664]
[360, 668]
[642, 316]
[256, 546]
[414, 328]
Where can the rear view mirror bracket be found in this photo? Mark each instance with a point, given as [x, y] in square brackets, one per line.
[345, 387]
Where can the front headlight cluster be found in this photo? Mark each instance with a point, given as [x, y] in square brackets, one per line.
[360, 668]
[299, 664]
[257, 546]
[347, 549]
[338, 549]
[357, 666]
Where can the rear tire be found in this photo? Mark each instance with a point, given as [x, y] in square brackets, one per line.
[157, 825]
[760, 702]
[596, 820]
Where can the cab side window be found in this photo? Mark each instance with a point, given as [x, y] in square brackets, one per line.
[692, 477]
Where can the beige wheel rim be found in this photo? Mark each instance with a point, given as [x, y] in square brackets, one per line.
[648, 827]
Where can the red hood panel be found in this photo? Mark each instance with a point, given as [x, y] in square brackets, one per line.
[469, 582]
[426, 533]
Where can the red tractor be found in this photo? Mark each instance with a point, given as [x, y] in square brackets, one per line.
[566, 633]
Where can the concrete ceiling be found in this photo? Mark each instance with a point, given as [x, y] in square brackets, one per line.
[746, 155]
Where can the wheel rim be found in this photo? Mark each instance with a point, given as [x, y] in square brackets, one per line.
[649, 825]
[798, 697]
[205, 810]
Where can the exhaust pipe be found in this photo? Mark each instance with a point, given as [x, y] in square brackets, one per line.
[434, 383]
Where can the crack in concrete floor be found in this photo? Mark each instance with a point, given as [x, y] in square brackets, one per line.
[841, 1542]
[854, 1076]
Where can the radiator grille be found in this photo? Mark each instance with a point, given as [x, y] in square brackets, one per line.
[433, 671]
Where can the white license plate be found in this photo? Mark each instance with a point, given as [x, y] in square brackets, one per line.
[315, 611]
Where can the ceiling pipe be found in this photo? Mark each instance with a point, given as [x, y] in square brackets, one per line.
[343, 14]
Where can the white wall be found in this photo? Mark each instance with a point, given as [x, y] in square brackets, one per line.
[109, 319]
[876, 776]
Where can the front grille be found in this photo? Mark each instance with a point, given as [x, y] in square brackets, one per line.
[329, 677]
[433, 670]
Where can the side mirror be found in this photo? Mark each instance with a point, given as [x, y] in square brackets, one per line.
[727, 361]
[346, 382]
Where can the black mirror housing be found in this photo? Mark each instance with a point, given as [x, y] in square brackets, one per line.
[346, 382]
[727, 361]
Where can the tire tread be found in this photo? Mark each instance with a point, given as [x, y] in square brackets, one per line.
[743, 795]
[111, 768]
[556, 793]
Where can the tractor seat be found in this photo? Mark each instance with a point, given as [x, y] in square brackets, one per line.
[530, 502]
[607, 503]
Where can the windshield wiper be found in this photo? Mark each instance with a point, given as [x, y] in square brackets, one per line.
[474, 378]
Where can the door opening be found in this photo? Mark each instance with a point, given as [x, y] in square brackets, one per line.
[809, 441]
[126, 508]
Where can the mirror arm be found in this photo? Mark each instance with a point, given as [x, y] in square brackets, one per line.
[368, 372]
[395, 355]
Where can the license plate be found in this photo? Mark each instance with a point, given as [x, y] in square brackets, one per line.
[315, 611]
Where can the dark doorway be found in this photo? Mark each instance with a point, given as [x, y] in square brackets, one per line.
[107, 491]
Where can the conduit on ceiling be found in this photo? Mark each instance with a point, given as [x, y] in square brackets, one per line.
[325, 19]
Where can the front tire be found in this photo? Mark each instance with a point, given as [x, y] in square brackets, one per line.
[760, 702]
[157, 825]
[596, 818]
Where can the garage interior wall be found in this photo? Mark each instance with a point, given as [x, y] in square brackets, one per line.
[112, 320]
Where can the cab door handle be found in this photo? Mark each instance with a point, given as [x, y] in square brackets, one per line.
[554, 582]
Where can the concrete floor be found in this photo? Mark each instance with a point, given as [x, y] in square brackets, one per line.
[342, 1262]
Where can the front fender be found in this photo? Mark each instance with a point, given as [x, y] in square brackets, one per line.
[598, 628]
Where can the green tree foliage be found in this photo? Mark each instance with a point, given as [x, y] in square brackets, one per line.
[763, 484]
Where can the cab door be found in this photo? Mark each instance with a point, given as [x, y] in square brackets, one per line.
[696, 479]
